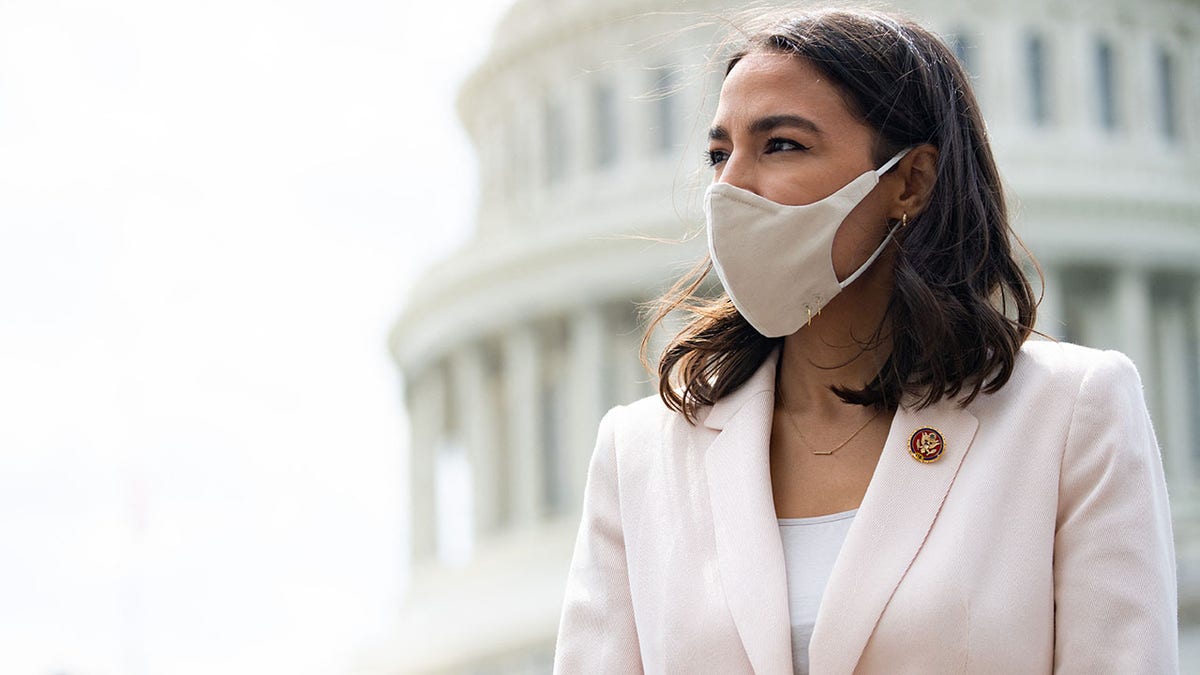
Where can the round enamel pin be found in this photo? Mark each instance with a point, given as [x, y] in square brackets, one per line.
[926, 445]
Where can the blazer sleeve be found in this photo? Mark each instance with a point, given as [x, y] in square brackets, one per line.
[1114, 553]
[596, 631]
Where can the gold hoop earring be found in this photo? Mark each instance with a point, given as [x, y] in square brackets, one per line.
[904, 220]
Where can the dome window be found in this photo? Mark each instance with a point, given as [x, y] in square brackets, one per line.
[1168, 121]
[1106, 86]
[604, 106]
[1035, 73]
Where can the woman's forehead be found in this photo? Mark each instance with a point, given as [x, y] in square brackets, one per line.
[772, 83]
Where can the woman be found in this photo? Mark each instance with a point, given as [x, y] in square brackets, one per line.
[857, 464]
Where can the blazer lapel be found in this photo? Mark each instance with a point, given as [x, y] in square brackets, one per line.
[898, 510]
[749, 550]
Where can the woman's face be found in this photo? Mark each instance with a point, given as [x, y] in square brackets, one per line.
[783, 132]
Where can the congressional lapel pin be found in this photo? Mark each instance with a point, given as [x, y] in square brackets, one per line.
[926, 445]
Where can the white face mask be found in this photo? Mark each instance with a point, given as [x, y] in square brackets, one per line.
[776, 261]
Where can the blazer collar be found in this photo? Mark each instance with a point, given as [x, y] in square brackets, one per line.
[749, 551]
[897, 511]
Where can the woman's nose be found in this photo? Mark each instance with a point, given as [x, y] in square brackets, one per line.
[739, 172]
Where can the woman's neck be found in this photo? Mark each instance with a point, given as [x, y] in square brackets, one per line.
[843, 346]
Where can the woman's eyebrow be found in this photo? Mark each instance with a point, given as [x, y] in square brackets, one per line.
[763, 125]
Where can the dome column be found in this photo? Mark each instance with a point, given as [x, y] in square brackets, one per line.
[998, 74]
[426, 400]
[1073, 63]
[1176, 427]
[1050, 319]
[1188, 98]
[1137, 85]
[585, 344]
[1133, 316]
[522, 372]
[477, 424]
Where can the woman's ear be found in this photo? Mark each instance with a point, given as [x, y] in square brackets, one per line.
[918, 171]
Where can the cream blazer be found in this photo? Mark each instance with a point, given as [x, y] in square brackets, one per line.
[1040, 541]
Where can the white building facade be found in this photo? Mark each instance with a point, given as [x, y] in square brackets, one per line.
[588, 118]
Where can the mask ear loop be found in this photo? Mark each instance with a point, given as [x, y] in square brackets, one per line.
[892, 162]
[879, 251]
[903, 223]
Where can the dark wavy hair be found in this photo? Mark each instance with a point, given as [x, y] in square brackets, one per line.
[961, 305]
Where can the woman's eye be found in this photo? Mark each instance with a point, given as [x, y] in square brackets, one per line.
[715, 157]
[783, 145]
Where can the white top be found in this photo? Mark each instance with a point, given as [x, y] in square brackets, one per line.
[810, 547]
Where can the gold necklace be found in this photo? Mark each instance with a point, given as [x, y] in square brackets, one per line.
[787, 413]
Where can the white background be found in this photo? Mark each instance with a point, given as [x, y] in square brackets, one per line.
[209, 214]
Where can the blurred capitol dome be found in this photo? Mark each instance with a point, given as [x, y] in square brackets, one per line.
[589, 116]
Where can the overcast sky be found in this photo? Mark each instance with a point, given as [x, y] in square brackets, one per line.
[209, 213]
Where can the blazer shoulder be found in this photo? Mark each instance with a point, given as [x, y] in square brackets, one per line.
[1052, 375]
[650, 413]
[1097, 389]
[1064, 361]
[644, 432]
